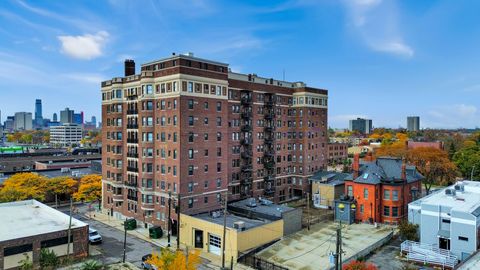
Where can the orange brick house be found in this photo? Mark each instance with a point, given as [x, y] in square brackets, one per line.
[382, 188]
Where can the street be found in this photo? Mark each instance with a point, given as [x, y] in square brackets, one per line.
[111, 248]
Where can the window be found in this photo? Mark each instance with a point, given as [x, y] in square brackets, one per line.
[350, 191]
[446, 220]
[365, 193]
[219, 182]
[395, 195]
[361, 208]
[190, 121]
[190, 169]
[219, 167]
[394, 211]
[190, 203]
[190, 104]
[219, 136]
[386, 194]
[190, 187]
[463, 238]
[205, 136]
[190, 87]
[205, 120]
[386, 211]
[190, 153]
[205, 105]
[190, 136]
[219, 121]
[219, 106]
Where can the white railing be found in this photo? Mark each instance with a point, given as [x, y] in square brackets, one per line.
[426, 253]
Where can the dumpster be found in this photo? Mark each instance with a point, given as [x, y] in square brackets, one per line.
[155, 232]
[130, 224]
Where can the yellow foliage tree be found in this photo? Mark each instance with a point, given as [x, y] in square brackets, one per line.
[23, 186]
[62, 185]
[170, 260]
[90, 188]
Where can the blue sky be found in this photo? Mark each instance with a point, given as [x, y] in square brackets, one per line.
[382, 59]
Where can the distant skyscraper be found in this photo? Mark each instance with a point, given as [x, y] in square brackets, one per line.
[38, 113]
[9, 123]
[23, 121]
[94, 121]
[55, 117]
[66, 116]
[361, 125]
[78, 118]
[413, 123]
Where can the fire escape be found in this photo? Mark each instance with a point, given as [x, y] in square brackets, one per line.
[269, 145]
[246, 173]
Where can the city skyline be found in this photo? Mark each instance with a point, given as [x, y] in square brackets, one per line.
[384, 48]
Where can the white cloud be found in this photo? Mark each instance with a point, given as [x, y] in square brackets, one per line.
[453, 116]
[376, 23]
[84, 47]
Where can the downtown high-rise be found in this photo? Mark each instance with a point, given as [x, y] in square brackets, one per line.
[189, 128]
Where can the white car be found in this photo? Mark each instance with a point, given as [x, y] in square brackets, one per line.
[94, 237]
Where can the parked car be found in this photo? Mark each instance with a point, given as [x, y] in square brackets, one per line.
[146, 265]
[94, 237]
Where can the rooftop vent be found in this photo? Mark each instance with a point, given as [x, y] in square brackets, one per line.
[239, 225]
[216, 214]
[265, 202]
[450, 192]
[460, 187]
[251, 202]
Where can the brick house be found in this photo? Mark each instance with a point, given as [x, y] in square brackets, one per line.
[382, 188]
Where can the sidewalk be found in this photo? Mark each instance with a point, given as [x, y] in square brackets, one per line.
[211, 261]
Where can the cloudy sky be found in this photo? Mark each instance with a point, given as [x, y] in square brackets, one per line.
[382, 59]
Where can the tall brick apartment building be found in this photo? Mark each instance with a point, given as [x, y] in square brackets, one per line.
[188, 126]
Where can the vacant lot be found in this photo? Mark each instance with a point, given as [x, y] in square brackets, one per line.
[310, 249]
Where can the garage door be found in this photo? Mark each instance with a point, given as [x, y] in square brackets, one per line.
[214, 244]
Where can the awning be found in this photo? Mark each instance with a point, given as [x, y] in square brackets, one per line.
[444, 234]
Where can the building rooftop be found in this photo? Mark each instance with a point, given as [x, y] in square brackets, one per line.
[330, 177]
[266, 208]
[462, 201]
[29, 218]
[77, 172]
[386, 169]
[231, 219]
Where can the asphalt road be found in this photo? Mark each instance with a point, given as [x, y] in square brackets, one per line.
[111, 248]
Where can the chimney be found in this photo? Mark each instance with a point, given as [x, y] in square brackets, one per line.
[129, 67]
[404, 170]
[356, 165]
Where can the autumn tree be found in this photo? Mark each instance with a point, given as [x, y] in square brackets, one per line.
[434, 165]
[62, 186]
[90, 188]
[358, 265]
[23, 186]
[172, 260]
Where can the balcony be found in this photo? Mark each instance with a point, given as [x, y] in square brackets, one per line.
[269, 191]
[246, 128]
[246, 155]
[132, 111]
[132, 155]
[247, 168]
[246, 115]
[269, 164]
[268, 139]
[268, 129]
[149, 206]
[132, 169]
[132, 97]
[117, 197]
[246, 100]
[131, 184]
[246, 141]
[132, 126]
[269, 153]
[132, 140]
[132, 198]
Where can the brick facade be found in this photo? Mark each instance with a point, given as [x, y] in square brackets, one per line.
[223, 132]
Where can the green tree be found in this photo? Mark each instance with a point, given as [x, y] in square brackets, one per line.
[408, 231]
[26, 263]
[467, 160]
[91, 265]
[48, 259]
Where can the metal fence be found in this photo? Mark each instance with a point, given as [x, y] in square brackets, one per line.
[426, 253]
[258, 263]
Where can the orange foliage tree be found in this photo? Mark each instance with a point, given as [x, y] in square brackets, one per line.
[170, 260]
[357, 265]
[90, 188]
[62, 186]
[24, 186]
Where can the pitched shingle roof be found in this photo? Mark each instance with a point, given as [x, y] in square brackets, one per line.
[386, 169]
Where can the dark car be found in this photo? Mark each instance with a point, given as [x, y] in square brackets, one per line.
[147, 265]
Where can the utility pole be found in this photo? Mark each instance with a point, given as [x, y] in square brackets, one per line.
[224, 229]
[178, 226]
[338, 250]
[169, 215]
[308, 211]
[69, 233]
[124, 240]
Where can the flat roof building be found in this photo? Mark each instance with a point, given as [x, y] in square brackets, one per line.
[28, 226]
[450, 218]
[66, 135]
[413, 123]
[364, 126]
